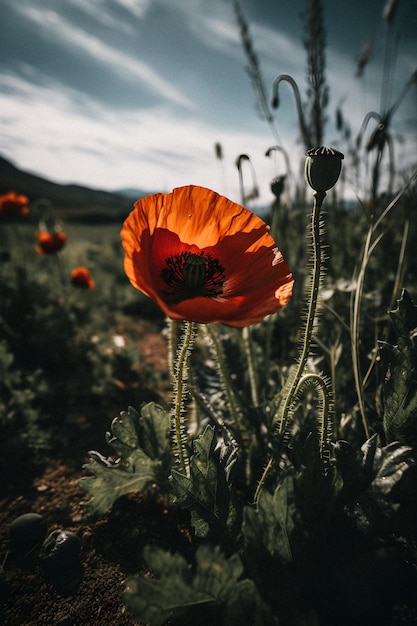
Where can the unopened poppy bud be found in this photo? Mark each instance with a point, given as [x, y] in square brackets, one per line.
[322, 167]
[81, 277]
[277, 185]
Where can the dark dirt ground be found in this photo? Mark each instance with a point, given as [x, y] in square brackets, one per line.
[111, 547]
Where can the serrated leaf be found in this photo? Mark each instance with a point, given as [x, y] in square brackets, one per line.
[382, 485]
[176, 588]
[390, 465]
[141, 443]
[206, 491]
[154, 427]
[400, 388]
[272, 521]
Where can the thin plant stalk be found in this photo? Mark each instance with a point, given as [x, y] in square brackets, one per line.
[254, 70]
[253, 378]
[369, 247]
[247, 333]
[354, 336]
[233, 402]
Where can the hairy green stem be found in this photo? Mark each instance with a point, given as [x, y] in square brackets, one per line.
[180, 395]
[233, 402]
[324, 420]
[253, 379]
[282, 414]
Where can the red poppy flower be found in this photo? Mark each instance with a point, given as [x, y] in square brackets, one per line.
[81, 277]
[203, 258]
[13, 204]
[48, 243]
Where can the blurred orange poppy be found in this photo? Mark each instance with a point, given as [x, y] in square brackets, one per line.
[48, 243]
[13, 204]
[81, 277]
[203, 258]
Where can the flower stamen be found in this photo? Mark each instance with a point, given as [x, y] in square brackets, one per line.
[190, 275]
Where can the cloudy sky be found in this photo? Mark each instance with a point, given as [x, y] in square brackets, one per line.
[136, 93]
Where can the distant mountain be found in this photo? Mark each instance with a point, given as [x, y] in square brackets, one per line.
[133, 193]
[73, 202]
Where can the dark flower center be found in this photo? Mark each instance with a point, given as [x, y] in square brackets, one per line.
[189, 275]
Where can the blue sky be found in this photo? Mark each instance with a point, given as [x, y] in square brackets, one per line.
[136, 93]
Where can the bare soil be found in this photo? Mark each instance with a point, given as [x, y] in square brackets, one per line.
[111, 547]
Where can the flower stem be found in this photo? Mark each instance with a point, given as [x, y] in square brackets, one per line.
[248, 347]
[283, 412]
[325, 423]
[174, 328]
[180, 395]
[223, 370]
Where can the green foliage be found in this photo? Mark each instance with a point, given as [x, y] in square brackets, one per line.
[326, 535]
[400, 363]
[377, 482]
[269, 524]
[207, 490]
[141, 444]
[20, 421]
[57, 350]
[215, 587]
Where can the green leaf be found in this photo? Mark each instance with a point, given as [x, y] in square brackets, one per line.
[391, 464]
[379, 481]
[206, 491]
[400, 388]
[141, 443]
[272, 521]
[176, 589]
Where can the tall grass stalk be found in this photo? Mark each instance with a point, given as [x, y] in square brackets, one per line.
[253, 69]
[370, 244]
[247, 332]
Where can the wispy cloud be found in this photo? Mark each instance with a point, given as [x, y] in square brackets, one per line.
[120, 106]
[155, 149]
[137, 8]
[65, 34]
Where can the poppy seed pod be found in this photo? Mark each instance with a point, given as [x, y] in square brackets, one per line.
[322, 167]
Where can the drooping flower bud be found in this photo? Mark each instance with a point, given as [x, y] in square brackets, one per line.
[277, 185]
[323, 167]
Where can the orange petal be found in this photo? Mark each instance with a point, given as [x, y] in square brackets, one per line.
[194, 219]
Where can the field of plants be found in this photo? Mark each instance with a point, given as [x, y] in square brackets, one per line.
[221, 451]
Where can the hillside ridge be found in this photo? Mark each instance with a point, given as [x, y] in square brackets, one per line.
[76, 201]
